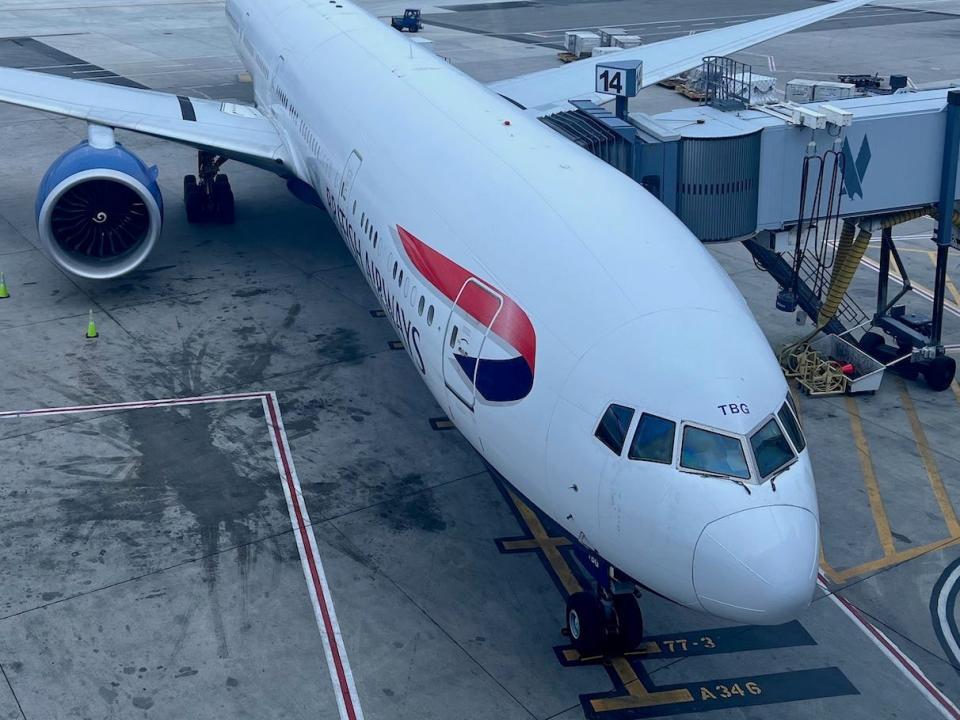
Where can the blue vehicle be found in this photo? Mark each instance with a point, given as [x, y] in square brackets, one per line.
[410, 21]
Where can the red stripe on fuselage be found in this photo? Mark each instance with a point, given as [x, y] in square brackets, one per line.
[512, 324]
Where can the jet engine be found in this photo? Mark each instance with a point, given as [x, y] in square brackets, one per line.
[99, 208]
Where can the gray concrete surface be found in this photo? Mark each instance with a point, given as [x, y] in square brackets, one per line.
[149, 564]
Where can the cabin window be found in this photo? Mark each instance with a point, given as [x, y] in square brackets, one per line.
[395, 266]
[713, 453]
[400, 278]
[612, 430]
[653, 440]
[430, 316]
[792, 427]
[423, 302]
[453, 336]
[376, 237]
[770, 448]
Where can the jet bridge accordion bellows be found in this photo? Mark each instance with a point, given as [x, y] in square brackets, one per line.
[718, 186]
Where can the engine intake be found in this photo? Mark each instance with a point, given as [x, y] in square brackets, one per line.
[99, 210]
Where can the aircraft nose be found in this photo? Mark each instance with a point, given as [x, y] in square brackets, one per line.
[758, 566]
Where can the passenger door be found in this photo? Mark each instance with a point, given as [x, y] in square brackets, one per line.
[474, 312]
[350, 172]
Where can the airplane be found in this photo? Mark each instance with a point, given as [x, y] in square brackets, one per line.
[578, 335]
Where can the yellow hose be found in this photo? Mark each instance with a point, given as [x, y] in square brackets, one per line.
[849, 254]
[843, 271]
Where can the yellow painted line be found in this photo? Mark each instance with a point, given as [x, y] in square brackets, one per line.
[639, 696]
[548, 545]
[950, 286]
[930, 463]
[826, 567]
[534, 544]
[956, 390]
[870, 480]
[896, 559]
[651, 647]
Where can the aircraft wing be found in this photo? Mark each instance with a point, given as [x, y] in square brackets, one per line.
[239, 132]
[543, 91]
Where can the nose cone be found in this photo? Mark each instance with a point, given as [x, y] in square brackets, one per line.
[758, 566]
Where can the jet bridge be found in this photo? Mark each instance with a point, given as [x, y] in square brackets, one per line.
[804, 187]
[730, 175]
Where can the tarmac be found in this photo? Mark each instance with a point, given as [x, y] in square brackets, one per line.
[191, 557]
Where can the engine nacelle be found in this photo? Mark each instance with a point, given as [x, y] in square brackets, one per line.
[99, 209]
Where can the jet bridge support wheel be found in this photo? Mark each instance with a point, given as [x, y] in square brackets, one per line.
[939, 373]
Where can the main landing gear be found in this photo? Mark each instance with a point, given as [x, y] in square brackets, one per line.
[209, 199]
[606, 618]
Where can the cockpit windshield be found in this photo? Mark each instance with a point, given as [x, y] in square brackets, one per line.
[713, 453]
[790, 424]
[770, 448]
[754, 457]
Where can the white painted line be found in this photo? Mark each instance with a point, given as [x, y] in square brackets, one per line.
[942, 611]
[348, 701]
[141, 405]
[922, 292]
[657, 22]
[905, 665]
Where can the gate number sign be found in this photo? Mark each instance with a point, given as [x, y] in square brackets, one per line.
[622, 79]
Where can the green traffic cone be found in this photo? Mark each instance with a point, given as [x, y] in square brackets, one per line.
[92, 328]
[4, 293]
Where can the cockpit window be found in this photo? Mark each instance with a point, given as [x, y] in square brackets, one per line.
[713, 453]
[653, 440]
[792, 427]
[770, 448]
[612, 430]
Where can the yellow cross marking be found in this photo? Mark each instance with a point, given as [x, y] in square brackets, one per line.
[638, 696]
[548, 545]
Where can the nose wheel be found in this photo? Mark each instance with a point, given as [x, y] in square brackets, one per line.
[607, 619]
[208, 196]
[585, 623]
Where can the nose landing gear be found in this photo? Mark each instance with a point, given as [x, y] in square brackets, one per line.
[209, 199]
[606, 619]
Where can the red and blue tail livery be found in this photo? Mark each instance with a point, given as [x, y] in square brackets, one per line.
[503, 366]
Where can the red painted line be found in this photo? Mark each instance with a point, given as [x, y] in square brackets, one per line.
[312, 563]
[902, 660]
[289, 479]
[140, 405]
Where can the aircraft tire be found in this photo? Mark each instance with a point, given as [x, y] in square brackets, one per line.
[870, 342]
[585, 623]
[940, 373]
[224, 207]
[629, 620]
[193, 200]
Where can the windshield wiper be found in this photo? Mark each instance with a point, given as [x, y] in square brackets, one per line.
[741, 483]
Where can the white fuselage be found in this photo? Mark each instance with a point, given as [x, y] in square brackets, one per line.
[574, 273]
